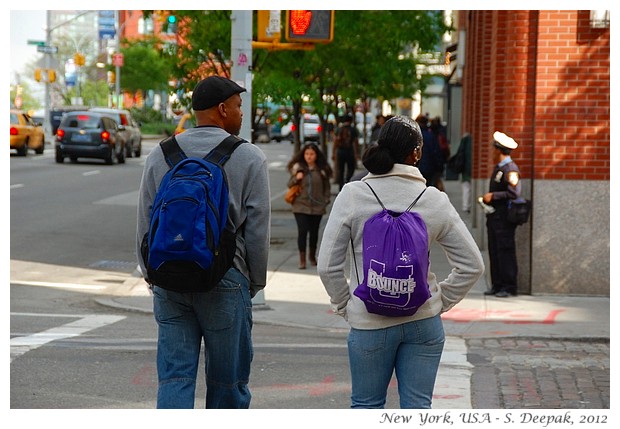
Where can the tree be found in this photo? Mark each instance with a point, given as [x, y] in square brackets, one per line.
[145, 67]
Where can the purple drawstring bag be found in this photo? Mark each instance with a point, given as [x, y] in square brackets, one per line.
[395, 260]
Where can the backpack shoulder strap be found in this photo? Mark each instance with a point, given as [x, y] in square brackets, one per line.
[416, 200]
[222, 152]
[172, 151]
[375, 194]
[408, 208]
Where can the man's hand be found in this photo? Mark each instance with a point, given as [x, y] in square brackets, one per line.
[487, 198]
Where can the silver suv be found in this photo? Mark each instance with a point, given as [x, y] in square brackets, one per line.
[310, 128]
[128, 128]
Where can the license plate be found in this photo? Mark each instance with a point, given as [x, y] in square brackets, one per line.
[81, 138]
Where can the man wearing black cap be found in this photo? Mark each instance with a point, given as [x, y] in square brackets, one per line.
[222, 318]
[505, 185]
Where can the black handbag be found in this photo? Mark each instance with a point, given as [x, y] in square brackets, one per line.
[519, 211]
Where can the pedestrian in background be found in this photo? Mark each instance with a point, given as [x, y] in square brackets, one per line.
[466, 172]
[504, 186]
[344, 154]
[410, 346]
[222, 317]
[432, 161]
[310, 169]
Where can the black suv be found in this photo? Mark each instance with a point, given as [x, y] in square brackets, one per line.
[86, 134]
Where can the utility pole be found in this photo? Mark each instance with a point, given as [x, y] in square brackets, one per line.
[47, 121]
[241, 55]
[118, 67]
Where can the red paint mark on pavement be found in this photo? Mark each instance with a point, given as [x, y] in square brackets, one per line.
[501, 316]
[146, 376]
[325, 387]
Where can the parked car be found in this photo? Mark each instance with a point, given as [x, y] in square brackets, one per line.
[310, 128]
[281, 131]
[88, 134]
[128, 128]
[26, 134]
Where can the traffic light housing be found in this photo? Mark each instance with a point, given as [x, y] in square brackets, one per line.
[37, 75]
[51, 76]
[111, 77]
[268, 25]
[172, 24]
[309, 26]
[79, 59]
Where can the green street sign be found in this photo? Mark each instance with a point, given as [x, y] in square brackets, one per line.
[36, 42]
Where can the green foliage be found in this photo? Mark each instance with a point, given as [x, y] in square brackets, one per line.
[146, 66]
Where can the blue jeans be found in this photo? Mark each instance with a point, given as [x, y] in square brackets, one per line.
[412, 349]
[223, 319]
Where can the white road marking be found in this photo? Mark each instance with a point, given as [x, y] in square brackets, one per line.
[58, 285]
[17, 185]
[91, 173]
[21, 345]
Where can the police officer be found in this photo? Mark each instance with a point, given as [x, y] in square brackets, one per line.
[505, 185]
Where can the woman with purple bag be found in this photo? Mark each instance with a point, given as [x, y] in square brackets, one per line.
[393, 302]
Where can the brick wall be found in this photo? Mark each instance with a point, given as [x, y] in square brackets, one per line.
[542, 77]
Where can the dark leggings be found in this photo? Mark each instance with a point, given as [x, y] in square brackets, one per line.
[307, 225]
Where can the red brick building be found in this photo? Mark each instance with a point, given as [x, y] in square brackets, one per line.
[543, 77]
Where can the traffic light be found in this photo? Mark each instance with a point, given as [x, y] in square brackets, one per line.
[111, 77]
[309, 26]
[172, 24]
[79, 59]
[51, 76]
[37, 75]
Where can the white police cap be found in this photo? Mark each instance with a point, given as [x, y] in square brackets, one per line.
[502, 140]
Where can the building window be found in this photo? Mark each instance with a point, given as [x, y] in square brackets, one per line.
[599, 19]
[145, 26]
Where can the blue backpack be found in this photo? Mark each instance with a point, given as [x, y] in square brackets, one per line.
[396, 261]
[187, 247]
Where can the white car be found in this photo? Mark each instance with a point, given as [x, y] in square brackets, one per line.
[310, 128]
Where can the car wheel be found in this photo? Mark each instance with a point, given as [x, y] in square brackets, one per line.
[109, 159]
[59, 158]
[128, 150]
[120, 156]
[40, 149]
[138, 151]
[73, 159]
[23, 151]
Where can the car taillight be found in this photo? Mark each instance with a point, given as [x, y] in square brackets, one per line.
[60, 134]
[319, 128]
[105, 136]
[14, 131]
[293, 127]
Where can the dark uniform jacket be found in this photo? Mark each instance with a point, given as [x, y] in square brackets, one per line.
[505, 184]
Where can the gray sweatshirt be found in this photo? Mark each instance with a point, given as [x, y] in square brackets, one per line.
[397, 189]
[249, 201]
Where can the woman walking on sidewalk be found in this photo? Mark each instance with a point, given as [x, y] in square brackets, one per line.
[309, 169]
[379, 345]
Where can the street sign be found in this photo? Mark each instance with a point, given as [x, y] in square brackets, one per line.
[117, 60]
[36, 42]
[47, 49]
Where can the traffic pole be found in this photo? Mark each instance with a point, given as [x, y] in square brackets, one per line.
[241, 55]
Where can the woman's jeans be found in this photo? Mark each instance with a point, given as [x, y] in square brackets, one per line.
[223, 319]
[412, 349]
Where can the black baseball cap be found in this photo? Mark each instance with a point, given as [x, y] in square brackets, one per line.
[212, 91]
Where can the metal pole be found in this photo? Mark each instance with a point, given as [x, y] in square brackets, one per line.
[47, 120]
[118, 67]
[241, 53]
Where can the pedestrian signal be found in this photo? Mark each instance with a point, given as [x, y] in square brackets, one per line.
[309, 26]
